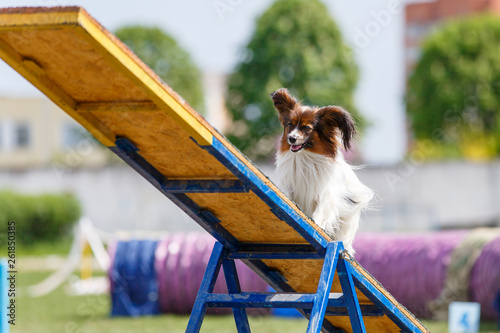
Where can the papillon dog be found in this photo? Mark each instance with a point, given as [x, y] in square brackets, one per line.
[311, 169]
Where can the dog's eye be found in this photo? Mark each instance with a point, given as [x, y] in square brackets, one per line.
[308, 128]
[289, 125]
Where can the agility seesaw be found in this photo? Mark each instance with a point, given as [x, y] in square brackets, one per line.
[98, 81]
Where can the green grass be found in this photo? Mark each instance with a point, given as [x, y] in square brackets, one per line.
[442, 327]
[58, 312]
[60, 247]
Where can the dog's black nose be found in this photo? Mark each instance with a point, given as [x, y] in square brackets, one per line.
[291, 139]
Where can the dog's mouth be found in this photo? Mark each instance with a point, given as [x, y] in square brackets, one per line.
[297, 148]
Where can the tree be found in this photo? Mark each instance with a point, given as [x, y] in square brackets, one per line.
[296, 45]
[172, 64]
[453, 98]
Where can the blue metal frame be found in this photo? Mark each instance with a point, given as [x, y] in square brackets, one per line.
[324, 286]
[233, 287]
[204, 186]
[125, 146]
[207, 286]
[336, 304]
[275, 251]
[253, 254]
[314, 306]
[353, 309]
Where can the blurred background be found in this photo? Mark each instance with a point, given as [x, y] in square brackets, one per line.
[421, 77]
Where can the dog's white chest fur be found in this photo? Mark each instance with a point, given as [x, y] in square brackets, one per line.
[326, 189]
[304, 176]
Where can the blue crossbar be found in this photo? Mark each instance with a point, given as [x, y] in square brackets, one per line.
[336, 305]
[204, 186]
[313, 305]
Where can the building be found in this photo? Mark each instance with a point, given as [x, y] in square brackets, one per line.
[423, 16]
[35, 133]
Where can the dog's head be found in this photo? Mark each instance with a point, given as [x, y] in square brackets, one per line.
[322, 130]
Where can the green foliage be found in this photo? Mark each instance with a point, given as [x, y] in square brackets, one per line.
[172, 63]
[296, 45]
[454, 93]
[38, 217]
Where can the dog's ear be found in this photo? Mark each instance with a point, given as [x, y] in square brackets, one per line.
[331, 117]
[283, 103]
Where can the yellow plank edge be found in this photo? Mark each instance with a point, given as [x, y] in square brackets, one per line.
[27, 20]
[134, 69]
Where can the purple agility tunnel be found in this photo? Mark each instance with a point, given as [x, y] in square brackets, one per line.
[424, 271]
[170, 275]
[181, 260]
[427, 271]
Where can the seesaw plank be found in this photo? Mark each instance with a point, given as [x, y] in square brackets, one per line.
[161, 139]
[98, 81]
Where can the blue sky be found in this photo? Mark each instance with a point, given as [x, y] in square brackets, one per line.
[214, 32]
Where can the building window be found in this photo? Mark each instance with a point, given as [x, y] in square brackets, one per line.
[22, 136]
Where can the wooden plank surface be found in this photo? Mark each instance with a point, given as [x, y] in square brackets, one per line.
[98, 81]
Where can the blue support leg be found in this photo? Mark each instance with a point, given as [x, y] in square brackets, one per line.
[351, 299]
[324, 287]
[233, 287]
[207, 286]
